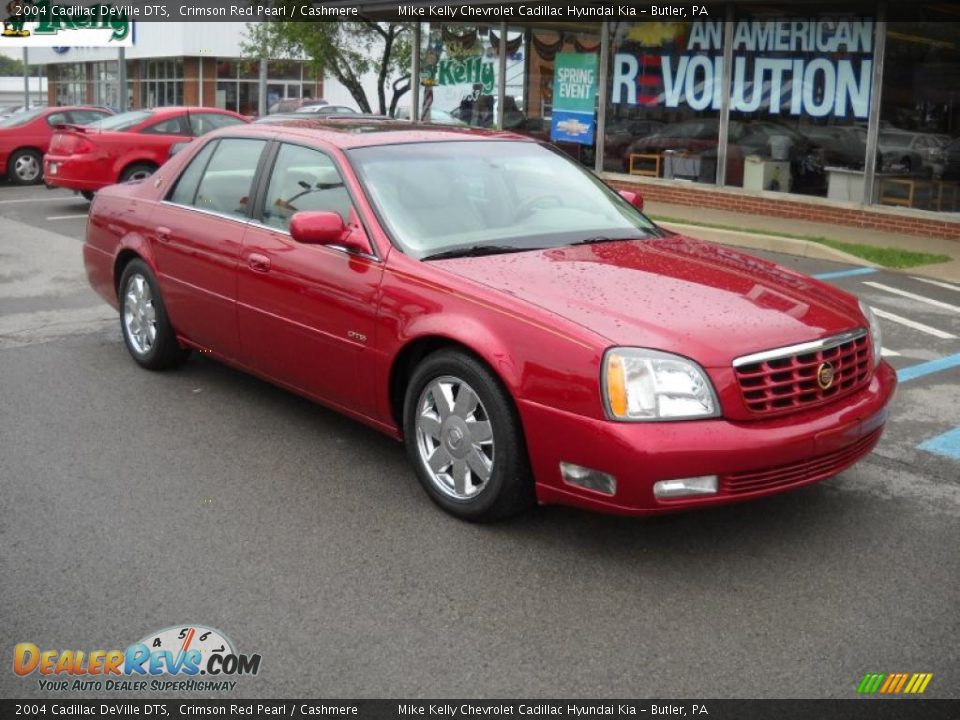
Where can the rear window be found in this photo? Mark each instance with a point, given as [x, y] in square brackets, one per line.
[123, 121]
[22, 118]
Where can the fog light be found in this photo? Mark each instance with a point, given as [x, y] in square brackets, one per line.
[683, 487]
[587, 478]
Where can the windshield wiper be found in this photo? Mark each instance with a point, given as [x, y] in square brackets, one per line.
[607, 238]
[477, 251]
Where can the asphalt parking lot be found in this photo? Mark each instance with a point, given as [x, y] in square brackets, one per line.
[133, 501]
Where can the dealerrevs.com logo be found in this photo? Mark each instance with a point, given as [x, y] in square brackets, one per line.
[177, 658]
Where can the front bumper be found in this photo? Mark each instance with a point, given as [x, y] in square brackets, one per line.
[72, 172]
[752, 459]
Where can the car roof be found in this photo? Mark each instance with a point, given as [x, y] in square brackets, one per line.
[177, 109]
[351, 132]
[67, 108]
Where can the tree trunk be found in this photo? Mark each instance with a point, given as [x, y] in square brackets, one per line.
[400, 87]
[384, 69]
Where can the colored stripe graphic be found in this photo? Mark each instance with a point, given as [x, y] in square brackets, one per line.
[894, 683]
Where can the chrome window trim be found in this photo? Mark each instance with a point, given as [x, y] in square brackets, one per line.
[801, 348]
[250, 222]
[213, 213]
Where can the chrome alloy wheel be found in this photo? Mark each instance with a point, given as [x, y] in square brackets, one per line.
[454, 437]
[26, 168]
[140, 315]
[139, 174]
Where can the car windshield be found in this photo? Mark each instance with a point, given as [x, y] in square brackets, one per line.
[895, 139]
[21, 118]
[123, 121]
[448, 198]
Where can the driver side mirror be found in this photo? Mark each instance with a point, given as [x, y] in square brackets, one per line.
[634, 198]
[327, 228]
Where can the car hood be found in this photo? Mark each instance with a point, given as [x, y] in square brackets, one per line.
[675, 294]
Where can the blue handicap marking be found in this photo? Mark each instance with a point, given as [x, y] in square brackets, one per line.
[947, 444]
[917, 371]
[844, 273]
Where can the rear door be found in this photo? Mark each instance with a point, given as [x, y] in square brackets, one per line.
[199, 232]
[307, 312]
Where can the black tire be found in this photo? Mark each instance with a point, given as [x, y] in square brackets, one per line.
[509, 487]
[25, 167]
[137, 171]
[164, 352]
[87, 195]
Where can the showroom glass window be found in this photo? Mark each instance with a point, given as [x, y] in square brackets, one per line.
[162, 83]
[463, 63]
[800, 99]
[663, 99]
[70, 84]
[919, 140]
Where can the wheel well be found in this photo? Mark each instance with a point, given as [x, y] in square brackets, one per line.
[408, 359]
[123, 259]
[148, 163]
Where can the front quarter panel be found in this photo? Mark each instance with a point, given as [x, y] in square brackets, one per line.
[538, 357]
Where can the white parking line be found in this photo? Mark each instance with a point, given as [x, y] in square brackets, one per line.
[68, 217]
[912, 296]
[948, 286]
[59, 198]
[889, 353]
[899, 319]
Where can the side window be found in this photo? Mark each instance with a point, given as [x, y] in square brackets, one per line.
[202, 123]
[303, 179]
[82, 117]
[58, 118]
[170, 126]
[225, 186]
[185, 190]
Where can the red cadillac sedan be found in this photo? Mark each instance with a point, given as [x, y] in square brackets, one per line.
[525, 330]
[125, 147]
[25, 137]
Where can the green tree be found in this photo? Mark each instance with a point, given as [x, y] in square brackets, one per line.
[347, 50]
[10, 66]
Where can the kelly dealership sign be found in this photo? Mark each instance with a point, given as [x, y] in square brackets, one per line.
[46, 24]
[792, 67]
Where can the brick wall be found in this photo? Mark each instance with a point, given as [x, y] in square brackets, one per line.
[897, 220]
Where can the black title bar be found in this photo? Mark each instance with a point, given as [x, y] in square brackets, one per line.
[476, 12]
[856, 709]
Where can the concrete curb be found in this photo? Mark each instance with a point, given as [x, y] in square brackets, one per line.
[771, 243]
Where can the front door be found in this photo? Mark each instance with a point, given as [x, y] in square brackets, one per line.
[307, 312]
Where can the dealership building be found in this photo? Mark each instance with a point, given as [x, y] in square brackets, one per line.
[178, 63]
[844, 112]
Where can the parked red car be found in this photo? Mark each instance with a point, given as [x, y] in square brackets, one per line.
[526, 330]
[25, 137]
[125, 147]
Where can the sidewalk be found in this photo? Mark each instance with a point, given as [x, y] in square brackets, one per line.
[753, 231]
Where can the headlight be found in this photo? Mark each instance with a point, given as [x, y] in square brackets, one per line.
[644, 385]
[876, 337]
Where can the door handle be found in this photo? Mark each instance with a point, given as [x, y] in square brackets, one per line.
[258, 262]
[163, 234]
